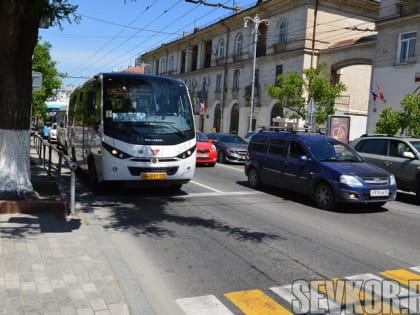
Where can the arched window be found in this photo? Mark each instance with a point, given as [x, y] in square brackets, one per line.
[236, 79]
[238, 43]
[217, 118]
[234, 119]
[221, 49]
[283, 32]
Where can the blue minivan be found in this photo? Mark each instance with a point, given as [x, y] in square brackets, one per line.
[318, 166]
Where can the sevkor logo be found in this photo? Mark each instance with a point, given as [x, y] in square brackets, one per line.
[355, 297]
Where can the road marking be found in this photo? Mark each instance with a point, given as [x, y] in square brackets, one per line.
[203, 305]
[405, 277]
[211, 194]
[255, 302]
[285, 292]
[392, 298]
[205, 186]
[231, 167]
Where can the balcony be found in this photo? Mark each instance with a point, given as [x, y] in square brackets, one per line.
[280, 47]
[408, 7]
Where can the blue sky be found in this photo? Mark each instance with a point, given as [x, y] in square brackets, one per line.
[112, 33]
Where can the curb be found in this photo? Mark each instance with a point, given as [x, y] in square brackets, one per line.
[60, 208]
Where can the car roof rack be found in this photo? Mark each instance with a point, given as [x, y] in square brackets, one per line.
[378, 135]
[293, 130]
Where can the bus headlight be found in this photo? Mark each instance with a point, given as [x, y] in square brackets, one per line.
[115, 152]
[186, 154]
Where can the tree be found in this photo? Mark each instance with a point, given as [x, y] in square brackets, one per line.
[51, 78]
[407, 120]
[19, 23]
[410, 115]
[289, 90]
[389, 122]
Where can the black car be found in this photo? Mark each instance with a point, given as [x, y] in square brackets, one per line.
[230, 147]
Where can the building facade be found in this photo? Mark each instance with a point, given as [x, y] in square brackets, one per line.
[216, 62]
[396, 71]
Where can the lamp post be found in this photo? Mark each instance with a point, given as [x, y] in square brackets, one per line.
[257, 21]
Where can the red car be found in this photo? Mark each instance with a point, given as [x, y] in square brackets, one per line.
[206, 151]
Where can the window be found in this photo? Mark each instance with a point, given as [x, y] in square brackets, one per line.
[283, 32]
[162, 65]
[373, 146]
[397, 148]
[296, 150]
[171, 63]
[277, 147]
[221, 49]
[218, 83]
[279, 71]
[239, 44]
[258, 144]
[236, 79]
[407, 47]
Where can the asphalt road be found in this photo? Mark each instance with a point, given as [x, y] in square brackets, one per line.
[218, 236]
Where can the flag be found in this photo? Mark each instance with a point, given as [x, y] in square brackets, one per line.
[202, 107]
[374, 95]
[381, 93]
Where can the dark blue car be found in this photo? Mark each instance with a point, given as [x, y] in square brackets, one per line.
[318, 166]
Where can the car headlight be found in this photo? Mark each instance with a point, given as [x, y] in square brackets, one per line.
[392, 180]
[350, 180]
[213, 147]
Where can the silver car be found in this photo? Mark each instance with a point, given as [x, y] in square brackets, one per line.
[398, 155]
[230, 147]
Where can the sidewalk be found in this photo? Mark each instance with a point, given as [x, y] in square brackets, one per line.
[55, 265]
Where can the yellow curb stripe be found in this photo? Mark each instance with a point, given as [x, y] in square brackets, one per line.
[405, 277]
[255, 302]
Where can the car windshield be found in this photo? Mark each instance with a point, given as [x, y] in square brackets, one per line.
[201, 137]
[333, 152]
[416, 144]
[231, 139]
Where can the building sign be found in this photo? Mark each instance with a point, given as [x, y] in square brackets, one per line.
[339, 128]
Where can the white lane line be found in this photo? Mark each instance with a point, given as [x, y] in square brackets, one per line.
[231, 167]
[205, 186]
[210, 194]
[203, 305]
[416, 269]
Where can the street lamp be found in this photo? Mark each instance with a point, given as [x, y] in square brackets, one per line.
[256, 20]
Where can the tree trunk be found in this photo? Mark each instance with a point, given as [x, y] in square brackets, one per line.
[18, 35]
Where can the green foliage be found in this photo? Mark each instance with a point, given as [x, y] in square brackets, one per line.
[407, 120]
[51, 78]
[316, 83]
[53, 12]
[389, 122]
[410, 115]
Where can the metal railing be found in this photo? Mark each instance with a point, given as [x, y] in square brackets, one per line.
[44, 150]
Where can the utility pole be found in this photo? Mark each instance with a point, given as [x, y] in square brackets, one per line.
[257, 21]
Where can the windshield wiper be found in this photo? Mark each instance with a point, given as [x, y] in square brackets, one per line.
[167, 124]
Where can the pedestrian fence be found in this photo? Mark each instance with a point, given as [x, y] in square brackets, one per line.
[44, 150]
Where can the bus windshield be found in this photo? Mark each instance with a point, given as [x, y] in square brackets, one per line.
[148, 106]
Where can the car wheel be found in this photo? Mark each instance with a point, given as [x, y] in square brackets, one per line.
[324, 197]
[221, 157]
[253, 178]
[418, 193]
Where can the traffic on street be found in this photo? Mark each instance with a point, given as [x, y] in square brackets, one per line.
[217, 246]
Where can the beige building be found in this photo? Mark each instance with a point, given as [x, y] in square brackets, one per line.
[397, 62]
[216, 62]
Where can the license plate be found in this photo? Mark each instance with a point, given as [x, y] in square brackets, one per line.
[153, 176]
[379, 193]
[201, 155]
